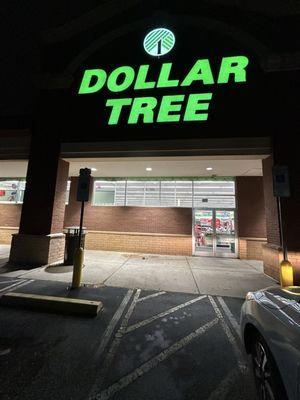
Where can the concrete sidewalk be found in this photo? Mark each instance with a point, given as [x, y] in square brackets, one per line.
[196, 275]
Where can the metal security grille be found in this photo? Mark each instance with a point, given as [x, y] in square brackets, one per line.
[165, 193]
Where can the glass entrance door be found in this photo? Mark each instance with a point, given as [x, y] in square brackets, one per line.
[214, 233]
[225, 233]
[203, 232]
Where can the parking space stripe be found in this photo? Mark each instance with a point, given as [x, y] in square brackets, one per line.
[154, 362]
[11, 286]
[231, 338]
[112, 325]
[114, 346]
[147, 321]
[230, 316]
[150, 296]
[21, 283]
[9, 281]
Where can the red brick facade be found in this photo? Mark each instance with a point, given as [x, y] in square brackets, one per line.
[40, 239]
[148, 229]
[251, 217]
[10, 215]
[270, 203]
[58, 214]
[129, 219]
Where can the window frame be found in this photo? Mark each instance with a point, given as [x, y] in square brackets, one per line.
[191, 198]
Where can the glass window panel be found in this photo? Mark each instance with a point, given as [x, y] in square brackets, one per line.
[168, 194]
[67, 192]
[9, 191]
[135, 195]
[120, 193]
[184, 193]
[104, 193]
[152, 195]
[214, 201]
[214, 188]
[21, 190]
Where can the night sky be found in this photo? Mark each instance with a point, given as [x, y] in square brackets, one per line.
[24, 24]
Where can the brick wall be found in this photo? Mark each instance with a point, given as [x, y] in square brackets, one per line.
[155, 230]
[286, 152]
[251, 215]
[6, 234]
[59, 207]
[10, 214]
[140, 242]
[170, 229]
[251, 248]
[41, 179]
[129, 219]
[272, 252]
[36, 250]
[270, 203]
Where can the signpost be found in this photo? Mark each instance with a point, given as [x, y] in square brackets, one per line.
[83, 192]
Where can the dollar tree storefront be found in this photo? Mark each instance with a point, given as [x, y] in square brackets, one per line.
[176, 86]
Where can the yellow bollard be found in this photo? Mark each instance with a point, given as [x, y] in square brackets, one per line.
[78, 263]
[286, 274]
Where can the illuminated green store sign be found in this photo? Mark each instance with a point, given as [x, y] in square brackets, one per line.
[168, 108]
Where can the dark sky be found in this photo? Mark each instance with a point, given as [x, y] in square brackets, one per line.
[22, 51]
[21, 25]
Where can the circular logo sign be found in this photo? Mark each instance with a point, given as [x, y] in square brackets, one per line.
[159, 42]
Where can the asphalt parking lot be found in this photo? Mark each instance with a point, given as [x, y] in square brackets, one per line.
[143, 345]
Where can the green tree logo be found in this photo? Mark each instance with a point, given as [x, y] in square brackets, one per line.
[159, 42]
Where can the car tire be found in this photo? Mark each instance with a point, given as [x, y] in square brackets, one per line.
[267, 377]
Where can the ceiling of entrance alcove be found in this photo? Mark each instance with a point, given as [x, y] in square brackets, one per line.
[161, 166]
[170, 166]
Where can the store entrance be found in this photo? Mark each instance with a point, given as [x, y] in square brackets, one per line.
[214, 233]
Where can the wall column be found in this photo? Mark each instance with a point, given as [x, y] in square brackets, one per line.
[272, 252]
[285, 153]
[251, 218]
[40, 240]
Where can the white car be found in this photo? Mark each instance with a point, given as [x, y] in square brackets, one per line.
[270, 330]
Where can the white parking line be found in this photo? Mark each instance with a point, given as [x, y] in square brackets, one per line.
[111, 327]
[153, 362]
[230, 316]
[15, 285]
[150, 296]
[147, 321]
[231, 338]
[9, 281]
[114, 347]
[11, 286]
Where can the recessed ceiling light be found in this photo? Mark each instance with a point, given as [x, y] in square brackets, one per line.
[149, 169]
[94, 169]
[209, 169]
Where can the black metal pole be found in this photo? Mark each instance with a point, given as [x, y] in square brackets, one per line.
[282, 238]
[81, 223]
